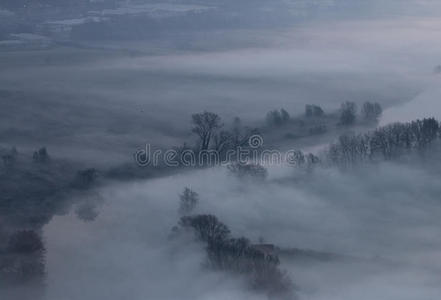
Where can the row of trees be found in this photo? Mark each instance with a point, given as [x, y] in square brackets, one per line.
[229, 254]
[216, 139]
[239, 256]
[385, 143]
[302, 160]
[10, 157]
[276, 118]
[84, 179]
[369, 113]
[212, 133]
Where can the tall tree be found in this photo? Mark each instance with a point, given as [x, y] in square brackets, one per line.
[277, 118]
[205, 125]
[347, 113]
[188, 201]
[371, 112]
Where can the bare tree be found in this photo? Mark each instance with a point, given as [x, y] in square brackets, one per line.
[188, 201]
[240, 135]
[205, 125]
[207, 227]
[223, 141]
[385, 143]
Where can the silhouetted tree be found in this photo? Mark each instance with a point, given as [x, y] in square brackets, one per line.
[284, 115]
[430, 130]
[204, 126]
[277, 118]
[207, 227]
[41, 156]
[371, 112]
[188, 201]
[237, 132]
[347, 113]
[386, 143]
[240, 134]
[299, 159]
[239, 256]
[313, 111]
[232, 138]
[223, 141]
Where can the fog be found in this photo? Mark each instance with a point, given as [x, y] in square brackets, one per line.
[85, 85]
[393, 250]
[135, 100]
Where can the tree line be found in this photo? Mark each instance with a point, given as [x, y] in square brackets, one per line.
[214, 135]
[236, 255]
[239, 256]
[382, 144]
